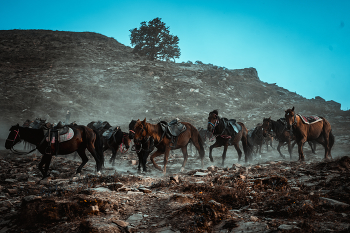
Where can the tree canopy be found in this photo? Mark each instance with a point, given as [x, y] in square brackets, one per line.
[153, 40]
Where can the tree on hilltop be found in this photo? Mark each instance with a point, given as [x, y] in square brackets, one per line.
[154, 41]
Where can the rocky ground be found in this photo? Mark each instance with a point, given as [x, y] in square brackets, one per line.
[45, 73]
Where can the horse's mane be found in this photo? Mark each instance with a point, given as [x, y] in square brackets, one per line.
[215, 112]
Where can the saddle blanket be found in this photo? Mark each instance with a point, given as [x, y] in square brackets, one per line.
[310, 119]
[64, 137]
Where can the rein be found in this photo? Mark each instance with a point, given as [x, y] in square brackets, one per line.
[16, 151]
[217, 122]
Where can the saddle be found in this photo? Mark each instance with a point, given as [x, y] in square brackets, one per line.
[234, 125]
[54, 134]
[310, 119]
[110, 132]
[172, 130]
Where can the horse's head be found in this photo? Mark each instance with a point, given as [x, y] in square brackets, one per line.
[290, 117]
[13, 137]
[266, 126]
[213, 120]
[132, 129]
[140, 130]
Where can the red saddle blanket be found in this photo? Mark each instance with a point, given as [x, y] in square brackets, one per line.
[64, 137]
[310, 119]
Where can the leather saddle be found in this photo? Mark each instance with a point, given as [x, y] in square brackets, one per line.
[234, 125]
[110, 132]
[53, 132]
[172, 130]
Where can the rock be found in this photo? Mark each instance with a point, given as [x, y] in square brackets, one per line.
[200, 174]
[12, 191]
[286, 227]
[101, 189]
[121, 223]
[93, 209]
[328, 201]
[253, 218]
[135, 219]
[212, 168]
[11, 180]
[30, 198]
[175, 178]
[133, 162]
[145, 190]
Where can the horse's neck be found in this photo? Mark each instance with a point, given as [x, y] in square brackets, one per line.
[220, 128]
[154, 131]
[33, 136]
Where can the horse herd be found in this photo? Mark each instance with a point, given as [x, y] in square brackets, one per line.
[97, 137]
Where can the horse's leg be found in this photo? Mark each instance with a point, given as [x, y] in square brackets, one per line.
[239, 152]
[114, 155]
[91, 149]
[300, 149]
[279, 149]
[184, 152]
[46, 159]
[166, 156]
[155, 154]
[84, 159]
[144, 160]
[139, 155]
[290, 149]
[216, 144]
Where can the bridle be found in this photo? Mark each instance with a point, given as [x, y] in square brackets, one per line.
[294, 122]
[13, 144]
[217, 121]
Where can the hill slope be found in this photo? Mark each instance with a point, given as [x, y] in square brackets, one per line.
[44, 73]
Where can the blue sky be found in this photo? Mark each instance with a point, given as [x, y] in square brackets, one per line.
[303, 46]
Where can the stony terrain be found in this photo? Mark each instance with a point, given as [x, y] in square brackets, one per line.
[45, 73]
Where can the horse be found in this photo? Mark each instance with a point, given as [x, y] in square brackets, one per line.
[226, 136]
[164, 144]
[113, 140]
[143, 148]
[99, 125]
[257, 138]
[84, 138]
[282, 135]
[38, 123]
[320, 130]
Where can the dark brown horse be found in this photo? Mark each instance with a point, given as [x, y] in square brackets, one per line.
[257, 138]
[84, 138]
[320, 131]
[143, 147]
[143, 130]
[114, 140]
[226, 136]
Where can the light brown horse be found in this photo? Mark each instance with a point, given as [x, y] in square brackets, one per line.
[320, 131]
[144, 130]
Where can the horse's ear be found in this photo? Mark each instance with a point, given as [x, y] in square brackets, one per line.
[269, 118]
[293, 108]
[144, 121]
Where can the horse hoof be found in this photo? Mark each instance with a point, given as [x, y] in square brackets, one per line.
[98, 173]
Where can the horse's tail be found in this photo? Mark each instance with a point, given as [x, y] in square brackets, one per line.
[200, 141]
[331, 140]
[247, 144]
[99, 148]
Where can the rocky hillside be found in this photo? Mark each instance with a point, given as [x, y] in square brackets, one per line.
[44, 73]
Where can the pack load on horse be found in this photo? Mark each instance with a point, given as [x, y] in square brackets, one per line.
[309, 129]
[143, 147]
[55, 140]
[113, 139]
[175, 135]
[283, 135]
[227, 133]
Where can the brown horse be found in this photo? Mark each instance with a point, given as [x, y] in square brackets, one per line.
[144, 130]
[320, 131]
[226, 136]
[282, 135]
[84, 138]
